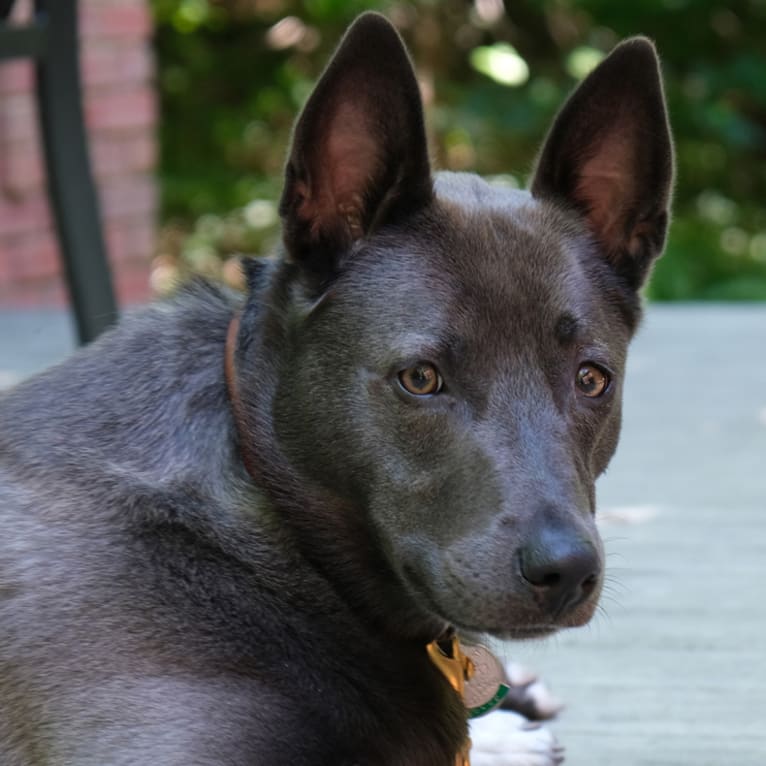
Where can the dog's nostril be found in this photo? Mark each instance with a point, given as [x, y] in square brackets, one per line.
[562, 575]
[571, 571]
[550, 580]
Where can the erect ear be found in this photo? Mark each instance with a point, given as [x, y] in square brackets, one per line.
[609, 154]
[359, 156]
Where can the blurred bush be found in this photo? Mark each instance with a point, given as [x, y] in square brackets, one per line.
[234, 73]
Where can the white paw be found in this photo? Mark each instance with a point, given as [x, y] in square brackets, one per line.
[504, 738]
[529, 695]
[519, 675]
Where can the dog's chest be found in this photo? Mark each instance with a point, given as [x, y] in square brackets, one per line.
[410, 718]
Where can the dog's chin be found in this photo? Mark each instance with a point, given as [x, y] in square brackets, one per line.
[474, 629]
[474, 632]
[514, 627]
[520, 632]
[526, 633]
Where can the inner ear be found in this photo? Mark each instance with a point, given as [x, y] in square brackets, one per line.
[341, 173]
[359, 157]
[609, 155]
[608, 188]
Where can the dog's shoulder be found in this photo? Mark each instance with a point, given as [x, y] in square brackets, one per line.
[139, 391]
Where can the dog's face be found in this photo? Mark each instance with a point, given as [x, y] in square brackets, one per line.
[454, 352]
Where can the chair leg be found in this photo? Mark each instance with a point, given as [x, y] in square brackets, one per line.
[71, 187]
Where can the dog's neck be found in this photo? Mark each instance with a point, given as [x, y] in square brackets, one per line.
[303, 502]
[452, 664]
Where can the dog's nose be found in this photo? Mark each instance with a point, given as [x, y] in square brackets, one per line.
[562, 567]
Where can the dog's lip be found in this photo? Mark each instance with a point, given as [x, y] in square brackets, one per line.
[538, 631]
[504, 632]
[509, 633]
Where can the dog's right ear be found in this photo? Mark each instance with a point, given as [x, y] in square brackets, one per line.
[359, 156]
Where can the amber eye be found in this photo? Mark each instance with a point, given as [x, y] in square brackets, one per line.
[592, 381]
[422, 379]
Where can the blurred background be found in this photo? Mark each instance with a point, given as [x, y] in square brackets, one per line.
[232, 75]
[190, 104]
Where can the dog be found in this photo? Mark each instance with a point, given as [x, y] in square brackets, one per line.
[233, 525]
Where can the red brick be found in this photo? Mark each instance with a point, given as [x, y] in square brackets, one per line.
[33, 256]
[131, 238]
[16, 77]
[5, 266]
[133, 282]
[116, 64]
[120, 110]
[30, 213]
[18, 117]
[21, 169]
[40, 292]
[53, 293]
[121, 154]
[127, 197]
[115, 20]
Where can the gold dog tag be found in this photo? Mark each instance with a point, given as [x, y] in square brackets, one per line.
[476, 675]
[451, 661]
[485, 687]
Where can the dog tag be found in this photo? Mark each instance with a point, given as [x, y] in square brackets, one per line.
[450, 661]
[486, 683]
[475, 674]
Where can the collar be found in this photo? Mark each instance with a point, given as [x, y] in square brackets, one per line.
[232, 387]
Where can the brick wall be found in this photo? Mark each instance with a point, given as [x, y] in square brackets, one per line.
[120, 113]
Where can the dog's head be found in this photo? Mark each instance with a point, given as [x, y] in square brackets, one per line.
[446, 357]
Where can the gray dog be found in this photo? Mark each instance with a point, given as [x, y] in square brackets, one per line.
[231, 527]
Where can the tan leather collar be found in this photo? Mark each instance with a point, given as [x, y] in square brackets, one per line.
[237, 409]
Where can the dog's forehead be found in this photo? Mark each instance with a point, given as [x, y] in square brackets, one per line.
[506, 232]
[484, 263]
[515, 259]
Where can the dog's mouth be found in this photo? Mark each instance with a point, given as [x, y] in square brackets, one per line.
[525, 624]
[513, 623]
[525, 633]
[506, 633]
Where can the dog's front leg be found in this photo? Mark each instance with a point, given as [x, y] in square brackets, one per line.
[511, 736]
[529, 695]
[504, 738]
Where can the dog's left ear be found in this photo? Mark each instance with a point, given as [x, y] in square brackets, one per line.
[359, 155]
[610, 155]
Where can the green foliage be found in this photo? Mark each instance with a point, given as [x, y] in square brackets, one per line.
[234, 73]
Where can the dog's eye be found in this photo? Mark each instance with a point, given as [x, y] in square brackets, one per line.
[592, 381]
[423, 379]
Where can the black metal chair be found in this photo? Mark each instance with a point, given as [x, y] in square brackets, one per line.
[50, 38]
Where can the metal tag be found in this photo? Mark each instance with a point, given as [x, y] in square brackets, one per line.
[486, 683]
[474, 672]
